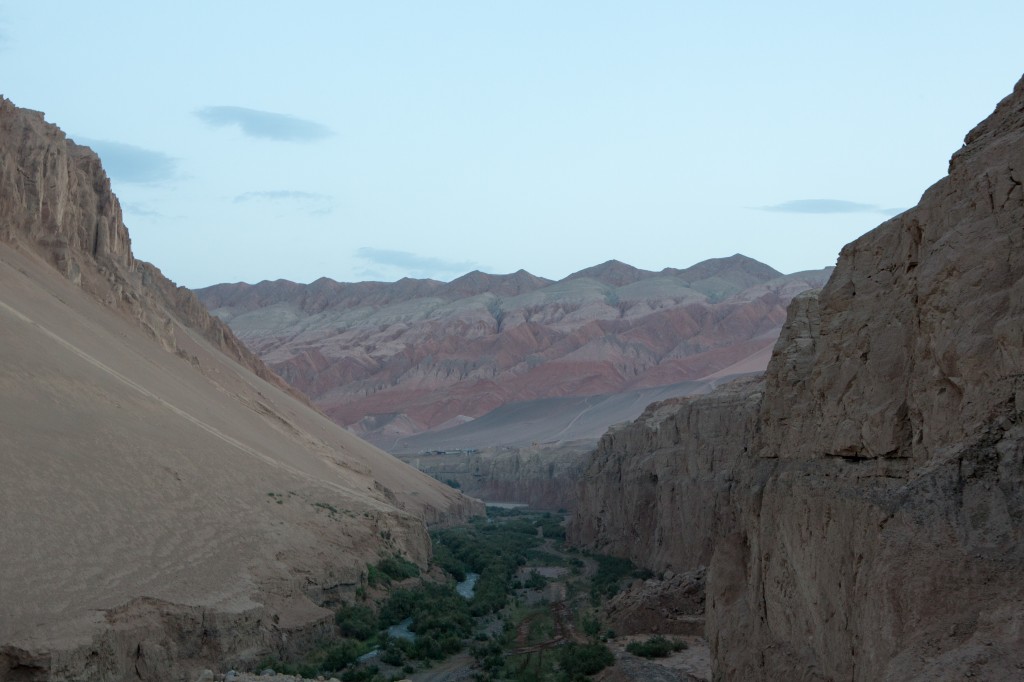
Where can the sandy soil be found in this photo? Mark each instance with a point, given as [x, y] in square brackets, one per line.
[130, 473]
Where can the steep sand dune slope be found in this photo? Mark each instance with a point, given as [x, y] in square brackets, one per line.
[162, 507]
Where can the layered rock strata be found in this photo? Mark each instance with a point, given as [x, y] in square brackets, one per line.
[872, 523]
[392, 360]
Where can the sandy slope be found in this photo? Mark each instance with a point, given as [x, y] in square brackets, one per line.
[128, 472]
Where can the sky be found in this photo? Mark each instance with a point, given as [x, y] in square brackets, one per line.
[377, 140]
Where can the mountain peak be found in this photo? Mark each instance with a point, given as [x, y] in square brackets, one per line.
[613, 273]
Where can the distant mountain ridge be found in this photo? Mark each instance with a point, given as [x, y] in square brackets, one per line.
[390, 360]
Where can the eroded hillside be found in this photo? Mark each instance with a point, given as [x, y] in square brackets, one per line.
[394, 360]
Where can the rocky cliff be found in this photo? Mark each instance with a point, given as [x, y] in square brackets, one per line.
[394, 360]
[56, 200]
[654, 489]
[167, 504]
[871, 524]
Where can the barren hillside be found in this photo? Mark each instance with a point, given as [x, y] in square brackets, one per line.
[166, 500]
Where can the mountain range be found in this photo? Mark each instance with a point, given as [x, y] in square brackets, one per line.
[407, 364]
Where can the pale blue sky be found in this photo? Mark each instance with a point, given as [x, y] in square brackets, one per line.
[374, 140]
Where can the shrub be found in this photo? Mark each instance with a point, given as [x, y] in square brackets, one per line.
[356, 621]
[584, 659]
[341, 654]
[398, 568]
[655, 647]
[610, 572]
[536, 581]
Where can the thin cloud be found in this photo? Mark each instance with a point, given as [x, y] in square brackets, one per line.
[821, 206]
[413, 264]
[264, 124]
[280, 195]
[141, 210]
[128, 163]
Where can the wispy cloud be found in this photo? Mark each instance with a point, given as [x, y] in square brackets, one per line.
[415, 265]
[312, 203]
[128, 163]
[140, 210]
[280, 195]
[264, 124]
[828, 206]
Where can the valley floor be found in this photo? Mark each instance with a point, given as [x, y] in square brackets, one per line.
[538, 614]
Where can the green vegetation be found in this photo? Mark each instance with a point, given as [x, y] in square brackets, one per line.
[438, 613]
[655, 647]
[390, 568]
[513, 639]
[536, 581]
[493, 550]
[578, 660]
[356, 621]
[610, 572]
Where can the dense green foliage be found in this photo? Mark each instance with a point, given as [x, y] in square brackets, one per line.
[440, 619]
[356, 621]
[493, 550]
[610, 572]
[655, 647]
[584, 659]
[390, 568]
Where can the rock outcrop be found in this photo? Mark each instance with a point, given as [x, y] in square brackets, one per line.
[871, 524]
[541, 476]
[654, 488]
[167, 503]
[392, 361]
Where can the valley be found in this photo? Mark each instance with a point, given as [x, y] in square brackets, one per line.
[532, 608]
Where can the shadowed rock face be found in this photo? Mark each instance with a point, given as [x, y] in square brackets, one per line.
[394, 360]
[167, 503]
[870, 519]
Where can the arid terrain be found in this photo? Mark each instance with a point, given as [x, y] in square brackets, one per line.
[166, 500]
[489, 360]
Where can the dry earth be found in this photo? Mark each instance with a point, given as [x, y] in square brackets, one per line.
[162, 507]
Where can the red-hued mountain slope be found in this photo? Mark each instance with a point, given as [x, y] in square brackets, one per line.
[390, 360]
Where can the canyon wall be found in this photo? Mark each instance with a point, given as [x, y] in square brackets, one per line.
[870, 520]
[654, 488]
[541, 476]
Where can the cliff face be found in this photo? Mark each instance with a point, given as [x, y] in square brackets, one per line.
[872, 527]
[654, 488]
[163, 508]
[56, 201]
[880, 534]
[393, 360]
[540, 476]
